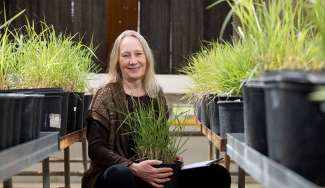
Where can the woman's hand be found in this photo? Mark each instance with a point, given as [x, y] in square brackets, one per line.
[154, 176]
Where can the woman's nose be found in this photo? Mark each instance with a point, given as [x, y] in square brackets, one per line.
[133, 61]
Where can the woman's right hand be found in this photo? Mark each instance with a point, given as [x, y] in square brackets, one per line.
[154, 176]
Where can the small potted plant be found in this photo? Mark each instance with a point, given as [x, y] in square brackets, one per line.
[156, 135]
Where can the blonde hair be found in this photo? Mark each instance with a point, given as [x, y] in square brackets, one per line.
[114, 72]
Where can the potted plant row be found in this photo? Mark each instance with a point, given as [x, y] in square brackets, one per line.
[281, 45]
[49, 67]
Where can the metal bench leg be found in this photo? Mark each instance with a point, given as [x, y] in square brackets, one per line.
[241, 177]
[67, 167]
[46, 172]
[7, 183]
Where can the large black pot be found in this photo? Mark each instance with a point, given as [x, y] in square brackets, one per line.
[5, 103]
[17, 119]
[174, 179]
[273, 114]
[38, 115]
[214, 114]
[51, 109]
[231, 117]
[64, 113]
[87, 101]
[197, 109]
[254, 115]
[72, 107]
[28, 118]
[79, 110]
[204, 112]
[302, 126]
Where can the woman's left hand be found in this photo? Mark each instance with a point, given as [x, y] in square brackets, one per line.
[180, 158]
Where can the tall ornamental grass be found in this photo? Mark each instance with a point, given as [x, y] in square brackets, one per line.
[7, 49]
[52, 60]
[280, 32]
[277, 35]
[155, 136]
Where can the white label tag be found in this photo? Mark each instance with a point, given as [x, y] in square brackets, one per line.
[55, 120]
[75, 108]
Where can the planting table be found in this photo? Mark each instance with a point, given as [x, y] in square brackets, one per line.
[263, 169]
[15, 159]
[218, 142]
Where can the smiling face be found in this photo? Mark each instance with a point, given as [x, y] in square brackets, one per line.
[132, 59]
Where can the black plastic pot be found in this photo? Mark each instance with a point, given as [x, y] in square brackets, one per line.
[64, 113]
[214, 114]
[254, 115]
[197, 109]
[5, 101]
[51, 109]
[229, 98]
[72, 107]
[87, 101]
[273, 114]
[302, 126]
[205, 113]
[27, 118]
[174, 179]
[15, 99]
[17, 119]
[38, 116]
[231, 117]
[79, 111]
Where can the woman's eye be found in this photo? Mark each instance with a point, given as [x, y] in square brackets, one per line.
[125, 55]
[138, 54]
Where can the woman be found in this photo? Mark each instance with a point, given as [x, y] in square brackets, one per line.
[131, 73]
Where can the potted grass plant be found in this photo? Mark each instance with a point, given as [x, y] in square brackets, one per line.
[156, 135]
[56, 65]
[287, 49]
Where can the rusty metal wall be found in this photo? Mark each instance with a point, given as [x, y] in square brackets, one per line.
[174, 29]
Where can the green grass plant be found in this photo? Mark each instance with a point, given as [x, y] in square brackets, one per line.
[280, 32]
[7, 48]
[52, 60]
[219, 69]
[155, 135]
[277, 35]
